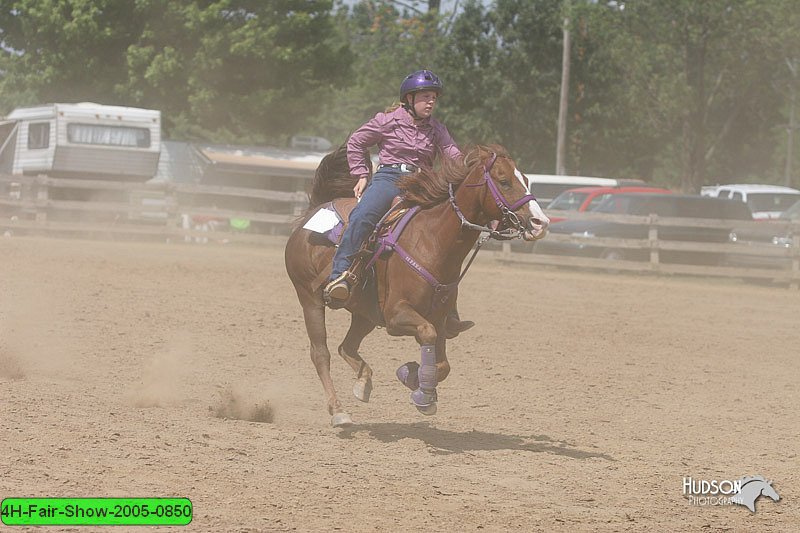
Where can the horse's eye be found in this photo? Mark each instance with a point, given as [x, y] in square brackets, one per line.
[505, 183]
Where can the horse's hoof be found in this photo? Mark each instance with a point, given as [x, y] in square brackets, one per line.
[408, 374]
[341, 420]
[362, 389]
[425, 402]
[427, 410]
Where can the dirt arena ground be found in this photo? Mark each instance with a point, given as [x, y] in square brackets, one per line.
[578, 403]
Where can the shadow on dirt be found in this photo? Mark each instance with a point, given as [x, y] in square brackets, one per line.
[445, 442]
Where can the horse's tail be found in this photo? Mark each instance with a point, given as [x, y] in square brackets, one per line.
[332, 179]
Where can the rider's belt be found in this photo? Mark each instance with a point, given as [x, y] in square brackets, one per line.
[402, 167]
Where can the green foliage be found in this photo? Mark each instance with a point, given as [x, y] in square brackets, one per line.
[679, 92]
[523, 80]
[64, 50]
[387, 45]
[468, 77]
[248, 70]
[711, 60]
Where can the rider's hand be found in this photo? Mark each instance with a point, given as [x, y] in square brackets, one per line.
[359, 187]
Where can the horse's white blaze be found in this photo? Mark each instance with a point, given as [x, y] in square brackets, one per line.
[540, 221]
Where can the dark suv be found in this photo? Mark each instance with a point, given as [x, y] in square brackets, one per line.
[663, 205]
[774, 234]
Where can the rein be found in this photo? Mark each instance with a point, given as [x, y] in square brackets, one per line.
[490, 230]
[509, 217]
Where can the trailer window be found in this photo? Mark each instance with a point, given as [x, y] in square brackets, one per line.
[108, 135]
[38, 135]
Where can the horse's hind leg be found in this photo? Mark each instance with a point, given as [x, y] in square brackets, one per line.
[360, 327]
[314, 316]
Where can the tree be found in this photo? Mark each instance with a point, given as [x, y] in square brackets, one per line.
[468, 75]
[64, 50]
[235, 70]
[245, 70]
[712, 59]
[387, 44]
[507, 77]
[614, 129]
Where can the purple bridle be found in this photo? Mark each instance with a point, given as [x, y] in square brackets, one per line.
[507, 209]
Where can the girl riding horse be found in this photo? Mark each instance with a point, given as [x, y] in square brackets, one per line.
[417, 282]
[408, 138]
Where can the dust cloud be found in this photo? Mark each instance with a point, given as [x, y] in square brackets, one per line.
[10, 366]
[32, 336]
[233, 404]
[163, 376]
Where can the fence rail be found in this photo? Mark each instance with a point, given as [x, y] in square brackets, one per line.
[110, 210]
[653, 246]
[46, 205]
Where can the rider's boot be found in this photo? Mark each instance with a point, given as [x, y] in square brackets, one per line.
[337, 291]
[454, 325]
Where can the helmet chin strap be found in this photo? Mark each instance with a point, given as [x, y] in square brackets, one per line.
[410, 107]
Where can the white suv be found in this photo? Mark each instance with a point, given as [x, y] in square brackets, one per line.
[765, 201]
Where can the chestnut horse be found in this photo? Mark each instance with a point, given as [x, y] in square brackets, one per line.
[415, 291]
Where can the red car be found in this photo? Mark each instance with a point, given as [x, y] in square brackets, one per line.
[586, 198]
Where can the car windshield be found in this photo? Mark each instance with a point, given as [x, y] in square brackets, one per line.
[793, 213]
[615, 203]
[568, 201]
[771, 201]
[597, 200]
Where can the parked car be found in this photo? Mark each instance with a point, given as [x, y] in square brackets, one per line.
[765, 201]
[776, 233]
[546, 187]
[587, 198]
[643, 204]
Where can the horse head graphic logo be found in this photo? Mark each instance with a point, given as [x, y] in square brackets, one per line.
[752, 488]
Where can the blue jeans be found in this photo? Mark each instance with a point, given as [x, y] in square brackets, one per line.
[375, 202]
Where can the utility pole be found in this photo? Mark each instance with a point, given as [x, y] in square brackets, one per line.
[564, 101]
[787, 172]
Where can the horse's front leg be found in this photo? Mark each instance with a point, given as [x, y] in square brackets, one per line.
[422, 378]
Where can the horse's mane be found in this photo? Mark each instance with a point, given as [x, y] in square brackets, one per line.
[428, 187]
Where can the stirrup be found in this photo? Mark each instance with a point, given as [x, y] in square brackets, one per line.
[337, 291]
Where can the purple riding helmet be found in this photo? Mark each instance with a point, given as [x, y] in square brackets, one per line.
[421, 80]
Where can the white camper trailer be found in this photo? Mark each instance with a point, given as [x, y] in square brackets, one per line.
[85, 140]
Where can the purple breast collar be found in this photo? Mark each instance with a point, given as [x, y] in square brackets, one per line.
[389, 242]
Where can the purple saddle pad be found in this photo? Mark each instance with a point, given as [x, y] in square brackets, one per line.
[335, 233]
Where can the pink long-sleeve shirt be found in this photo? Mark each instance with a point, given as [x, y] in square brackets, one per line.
[400, 140]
